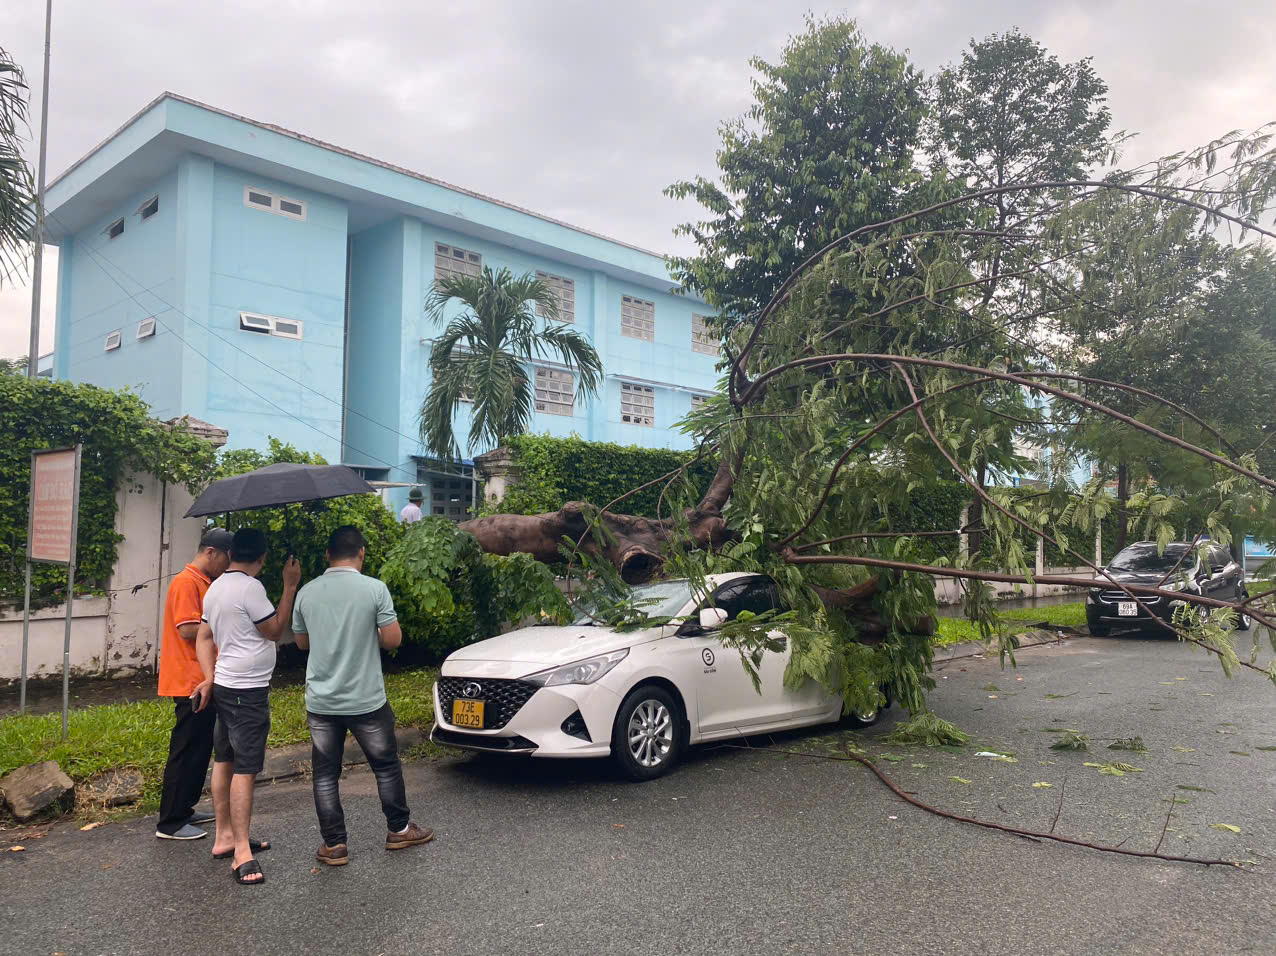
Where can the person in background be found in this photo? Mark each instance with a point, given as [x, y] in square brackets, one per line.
[412, 510]
[236, 649]
[345, 619]
[191, 743]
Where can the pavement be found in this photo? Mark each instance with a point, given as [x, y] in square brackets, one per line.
[745, 850]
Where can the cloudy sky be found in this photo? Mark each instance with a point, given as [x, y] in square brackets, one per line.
[579, 110]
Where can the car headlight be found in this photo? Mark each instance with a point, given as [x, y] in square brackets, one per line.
[579, 672]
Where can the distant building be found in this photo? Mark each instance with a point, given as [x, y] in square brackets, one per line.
[251, 276]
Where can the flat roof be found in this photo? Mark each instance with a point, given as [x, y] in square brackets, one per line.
[166, 128]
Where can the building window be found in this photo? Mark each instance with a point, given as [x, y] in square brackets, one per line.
[270, 325]
[698, 402]
[270, 202]
[637, 404]
[149, 208]
[451, 261]
[637, 318]
[565, 291]
[146, 328]
[115, 229]
[703, 339]
[555, 391]
[113, 340]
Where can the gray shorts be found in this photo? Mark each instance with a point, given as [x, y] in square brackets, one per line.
[243, 723]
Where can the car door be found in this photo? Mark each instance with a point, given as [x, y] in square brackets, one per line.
[726, 699]
[1224, 574]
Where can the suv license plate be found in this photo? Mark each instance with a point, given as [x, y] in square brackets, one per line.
[467, 713]
[1124, 609]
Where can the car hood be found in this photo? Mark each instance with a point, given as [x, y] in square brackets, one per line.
[1148, 579]
[553, 645]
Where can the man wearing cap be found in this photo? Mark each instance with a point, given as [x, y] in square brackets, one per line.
[412, 510]
[191, 743]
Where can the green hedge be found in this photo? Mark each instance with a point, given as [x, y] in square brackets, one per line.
[553, 471]
[118, 436]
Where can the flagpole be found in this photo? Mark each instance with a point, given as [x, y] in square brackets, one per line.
[33, 351]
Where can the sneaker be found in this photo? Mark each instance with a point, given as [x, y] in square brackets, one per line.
[187, 832]
[201, 816]
[412, 836]
[333, 855]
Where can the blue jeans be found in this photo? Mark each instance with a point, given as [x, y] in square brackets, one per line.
[375, 735]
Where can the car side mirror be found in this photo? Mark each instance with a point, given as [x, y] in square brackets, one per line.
[712, 618]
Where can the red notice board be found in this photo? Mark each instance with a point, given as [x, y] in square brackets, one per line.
[55, 490]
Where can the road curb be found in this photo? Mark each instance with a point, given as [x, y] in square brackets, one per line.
[293, 760]
[1035, 637]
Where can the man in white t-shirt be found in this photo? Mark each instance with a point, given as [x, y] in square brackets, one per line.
[236, 650]
[412, 510]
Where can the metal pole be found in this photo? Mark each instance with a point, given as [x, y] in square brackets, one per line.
[26, 630]
[70, 592]
[33, 350]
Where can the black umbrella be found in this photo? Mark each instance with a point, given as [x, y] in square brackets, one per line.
[279, 484]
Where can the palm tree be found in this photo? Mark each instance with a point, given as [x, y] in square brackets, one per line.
[17, 192]
[483, 354]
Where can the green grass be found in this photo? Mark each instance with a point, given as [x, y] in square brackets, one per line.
[955, 630]
[115, 736]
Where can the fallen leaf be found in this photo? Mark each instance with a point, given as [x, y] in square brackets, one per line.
[893, 758]
[991, 687]
[1226, 826]
[1239, 753]
[16, 849]
[892, 818]
[919, 766]
[992, 696]
[617, 826]
[1180, 678]
[1042, 785]
[1265, 748]
[1185, 750]
[960, 780]
[92, 826]
[1166, 683]
[314, 870]
[1188, 786]
[1203, 694]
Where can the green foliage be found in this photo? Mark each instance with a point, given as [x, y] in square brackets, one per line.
[17, 185]
[119, 438]
[827, 146]
[303, 529]
[1129, 743]
[481, 357]
[926, 730]
[1072, 740]
[116, 736]
[448, 593]
[553, 471]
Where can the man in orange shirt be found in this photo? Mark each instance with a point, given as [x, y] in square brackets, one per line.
[191, 743]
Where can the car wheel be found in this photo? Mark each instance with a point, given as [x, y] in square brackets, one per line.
[1242, 619]
[646, 741]
[867, 718]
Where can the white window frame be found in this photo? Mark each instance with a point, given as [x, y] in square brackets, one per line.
[146, 328]
[564, 290]
[113, 340]
[646, 396]
[445, 252]
[632, 326]
[115, 229]
[702, 337]
[545, 395]
[256, 323]
[275, 203]
[152, 204]
[698, 402]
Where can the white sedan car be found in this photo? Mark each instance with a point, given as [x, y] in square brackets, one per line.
[641, 696]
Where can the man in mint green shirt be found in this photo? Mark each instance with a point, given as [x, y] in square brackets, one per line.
[345, 619]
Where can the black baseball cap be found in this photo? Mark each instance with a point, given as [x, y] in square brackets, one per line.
[218, 538]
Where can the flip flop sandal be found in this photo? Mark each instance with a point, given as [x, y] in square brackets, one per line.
[247, 869]
[257, 846]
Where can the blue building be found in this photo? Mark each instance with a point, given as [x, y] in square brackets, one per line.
[253, 277]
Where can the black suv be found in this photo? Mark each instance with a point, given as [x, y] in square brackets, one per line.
[1211, 573]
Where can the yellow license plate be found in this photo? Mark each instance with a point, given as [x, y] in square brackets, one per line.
[467, 713]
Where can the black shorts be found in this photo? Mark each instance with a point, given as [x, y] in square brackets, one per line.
[243, 723]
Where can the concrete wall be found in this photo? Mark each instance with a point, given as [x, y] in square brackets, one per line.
[115, 635]
[106, 284]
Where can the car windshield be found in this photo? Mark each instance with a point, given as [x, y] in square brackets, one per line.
[1143, 557]
[662, 599]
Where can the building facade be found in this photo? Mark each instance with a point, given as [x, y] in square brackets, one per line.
[250, 276]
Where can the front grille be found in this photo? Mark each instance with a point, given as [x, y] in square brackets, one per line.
[503, 698]
[1111, 597]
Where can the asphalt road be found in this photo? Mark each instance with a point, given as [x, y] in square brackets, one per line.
[748, 851]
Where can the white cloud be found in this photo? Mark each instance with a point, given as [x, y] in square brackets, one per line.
[580, 110]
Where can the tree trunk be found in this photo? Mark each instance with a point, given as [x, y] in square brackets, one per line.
[1123, 494]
